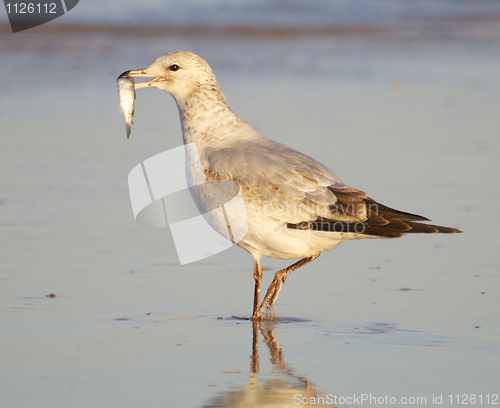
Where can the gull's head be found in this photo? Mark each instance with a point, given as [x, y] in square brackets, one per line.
[179, 73]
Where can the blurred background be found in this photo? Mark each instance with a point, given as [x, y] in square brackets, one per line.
[400, 98]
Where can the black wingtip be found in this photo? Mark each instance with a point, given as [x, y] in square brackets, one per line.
[375, 208]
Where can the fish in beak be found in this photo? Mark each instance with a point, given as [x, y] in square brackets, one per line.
[126, 90]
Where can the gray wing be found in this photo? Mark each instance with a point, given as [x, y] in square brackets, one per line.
[307, 195]
[286, 182]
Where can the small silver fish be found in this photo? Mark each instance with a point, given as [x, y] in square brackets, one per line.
[126, 89]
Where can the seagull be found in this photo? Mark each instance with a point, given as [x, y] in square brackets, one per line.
[295, 206]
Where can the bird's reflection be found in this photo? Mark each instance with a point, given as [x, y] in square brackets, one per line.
[283, 388]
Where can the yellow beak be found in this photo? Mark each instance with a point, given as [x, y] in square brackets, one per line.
[141, 73]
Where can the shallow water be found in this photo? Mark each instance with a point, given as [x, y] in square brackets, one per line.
[409, 118]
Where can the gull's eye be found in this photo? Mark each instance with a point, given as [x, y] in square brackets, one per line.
[174, 67]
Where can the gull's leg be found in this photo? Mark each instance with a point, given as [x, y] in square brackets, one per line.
[257, 275]
[275, 286]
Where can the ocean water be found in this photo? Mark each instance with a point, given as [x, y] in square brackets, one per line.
[400, 99]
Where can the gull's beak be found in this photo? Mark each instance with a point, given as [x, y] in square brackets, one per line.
[144, 74]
